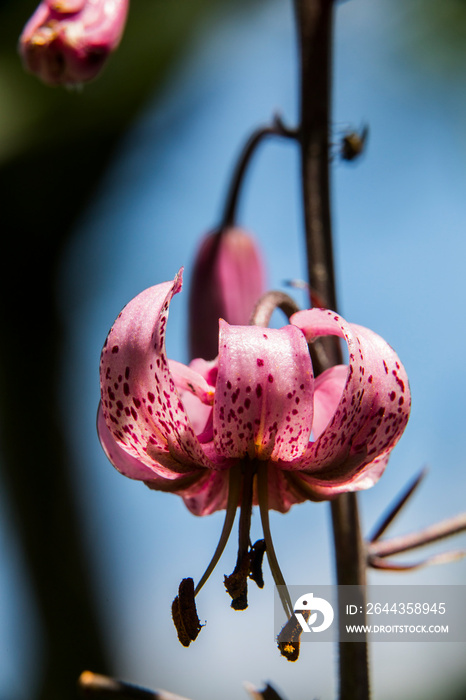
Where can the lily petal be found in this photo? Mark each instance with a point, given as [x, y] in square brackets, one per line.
[264, 394]
[188, 379]
[197, 397]
[203, 491]
[317, 488]
[209, 494]
[282, 492]
[373, 408]
[140, 402]
[163, 477]
[328, 388]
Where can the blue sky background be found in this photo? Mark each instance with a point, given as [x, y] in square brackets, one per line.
[400, 244]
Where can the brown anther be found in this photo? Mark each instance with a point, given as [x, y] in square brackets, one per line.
[248, 566]
[237, 583]
[288, 639]
[184, 613]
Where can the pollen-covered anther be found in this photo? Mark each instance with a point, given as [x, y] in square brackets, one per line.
[236, 583]
[288, 640]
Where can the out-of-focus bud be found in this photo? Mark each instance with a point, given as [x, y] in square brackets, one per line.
[66, 42]
[227, 281]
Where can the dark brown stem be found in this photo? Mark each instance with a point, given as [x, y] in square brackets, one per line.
[315, 21]
[277, 128]
[315, 34]
[351, 562]
[267, 304]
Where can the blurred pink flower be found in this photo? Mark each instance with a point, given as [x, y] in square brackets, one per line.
[66, 42]
[256, 407]
[228, 279]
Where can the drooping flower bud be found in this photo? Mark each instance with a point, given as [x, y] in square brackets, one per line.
[66, 42]
[227, 281]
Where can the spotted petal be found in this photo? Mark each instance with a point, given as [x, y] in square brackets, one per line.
[373, 408]
[264, 394]
[140, 402]
[162, 477]
[328, 388]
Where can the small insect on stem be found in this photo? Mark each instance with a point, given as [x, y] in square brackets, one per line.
[353, 143]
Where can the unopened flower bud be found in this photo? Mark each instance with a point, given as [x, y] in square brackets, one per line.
[228, 280]
[66, 42]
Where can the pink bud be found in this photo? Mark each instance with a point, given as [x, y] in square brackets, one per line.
[66, 42]
[227, 281]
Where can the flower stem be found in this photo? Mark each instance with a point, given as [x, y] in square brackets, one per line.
[267, 304]
[351, 558]
[314, 22]
[276, 128]
[314, 18]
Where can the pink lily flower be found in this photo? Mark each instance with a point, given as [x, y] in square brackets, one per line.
[66, 42]
[253, 426]
[228, 280]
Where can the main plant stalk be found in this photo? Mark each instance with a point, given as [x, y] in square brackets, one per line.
[315, 26]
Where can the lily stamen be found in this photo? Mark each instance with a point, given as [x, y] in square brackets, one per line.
[232, 504]
[237, 583]
[262, 491]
